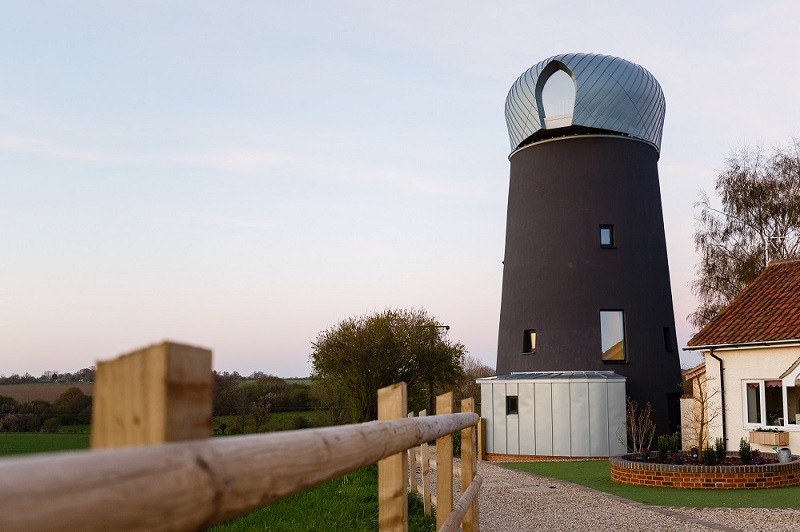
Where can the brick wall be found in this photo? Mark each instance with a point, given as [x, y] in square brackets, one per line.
[715, 477]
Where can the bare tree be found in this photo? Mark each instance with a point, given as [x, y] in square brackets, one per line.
[640, 428]
[696, 426]
[758, 220]
[473, 369]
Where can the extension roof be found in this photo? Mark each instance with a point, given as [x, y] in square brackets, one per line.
[580, 376]
[766, 312]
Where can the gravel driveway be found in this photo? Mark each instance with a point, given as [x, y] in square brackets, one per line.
[515, 501]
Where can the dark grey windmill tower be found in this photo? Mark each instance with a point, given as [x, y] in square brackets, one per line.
[585, 280]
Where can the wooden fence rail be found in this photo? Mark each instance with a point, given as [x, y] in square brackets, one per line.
[191, 485]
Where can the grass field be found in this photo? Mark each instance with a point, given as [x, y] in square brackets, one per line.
[25, 393]
[16, 443]
[346, 503]
[596, 474]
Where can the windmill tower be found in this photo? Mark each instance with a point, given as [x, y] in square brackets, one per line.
[585, 279]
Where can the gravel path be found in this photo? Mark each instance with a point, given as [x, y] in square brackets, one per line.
[515, 501]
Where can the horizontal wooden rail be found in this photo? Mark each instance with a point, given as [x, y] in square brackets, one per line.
[191, 485]
[461, 507]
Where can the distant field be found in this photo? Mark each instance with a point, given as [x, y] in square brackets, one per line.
[277, 421]
[24, 393]
[15, 443]
[306, 381]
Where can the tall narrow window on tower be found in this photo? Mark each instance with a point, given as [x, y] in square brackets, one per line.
[612, 335]
[529, 342]
[606, 236]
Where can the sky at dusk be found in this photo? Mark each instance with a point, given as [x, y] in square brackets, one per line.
[244, 175]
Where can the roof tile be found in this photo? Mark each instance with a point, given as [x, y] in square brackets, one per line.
[766, 310]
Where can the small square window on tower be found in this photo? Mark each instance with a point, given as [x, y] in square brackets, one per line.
[606, 236]
[529, 342]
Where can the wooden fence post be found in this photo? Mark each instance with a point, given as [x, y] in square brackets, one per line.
[444, 464]
[158, 394]
[392, 497]
[412, 466]
[425, 467]
[468, 466]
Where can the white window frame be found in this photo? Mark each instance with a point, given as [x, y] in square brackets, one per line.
[763, 406]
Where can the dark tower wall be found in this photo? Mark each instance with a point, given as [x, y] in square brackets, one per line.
[557, 277]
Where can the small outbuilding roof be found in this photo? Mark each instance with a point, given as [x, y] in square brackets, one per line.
[556, 376]
[767, 311]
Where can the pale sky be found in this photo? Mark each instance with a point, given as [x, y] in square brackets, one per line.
[244, 175]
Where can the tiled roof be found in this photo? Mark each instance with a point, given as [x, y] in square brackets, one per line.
[767, 310]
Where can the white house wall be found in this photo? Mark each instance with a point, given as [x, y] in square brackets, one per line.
[743, 364]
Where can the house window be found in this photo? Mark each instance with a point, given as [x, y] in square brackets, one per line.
[793, 404]
[769, 403]
[753, 402]
[773, 403]
[612, 335]
[512, 405]
[529, 342]
[606, 236]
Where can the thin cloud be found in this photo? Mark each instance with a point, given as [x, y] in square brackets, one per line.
[215, 221]
[17, 144]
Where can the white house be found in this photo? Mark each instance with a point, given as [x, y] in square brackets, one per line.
[752, 360]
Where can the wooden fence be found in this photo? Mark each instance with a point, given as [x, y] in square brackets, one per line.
[181, 483]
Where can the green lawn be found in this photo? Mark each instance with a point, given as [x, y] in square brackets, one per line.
[596, 474]
[346, 503]
[15, 443]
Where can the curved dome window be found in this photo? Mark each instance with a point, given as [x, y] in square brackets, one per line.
[558, 100]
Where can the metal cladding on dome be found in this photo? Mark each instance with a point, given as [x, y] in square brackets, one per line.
[611, 95]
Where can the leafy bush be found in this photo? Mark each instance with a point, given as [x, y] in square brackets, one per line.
[745, 454]
[719, 448]
[668, 444]
[709, 456]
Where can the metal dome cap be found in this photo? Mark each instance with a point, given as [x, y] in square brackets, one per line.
[607, 95]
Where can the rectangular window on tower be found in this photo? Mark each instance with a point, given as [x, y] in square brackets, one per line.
[529, 342]
[668, 340]
[612, 336]
[606, 236]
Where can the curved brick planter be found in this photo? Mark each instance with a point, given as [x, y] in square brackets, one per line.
[638, 473]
